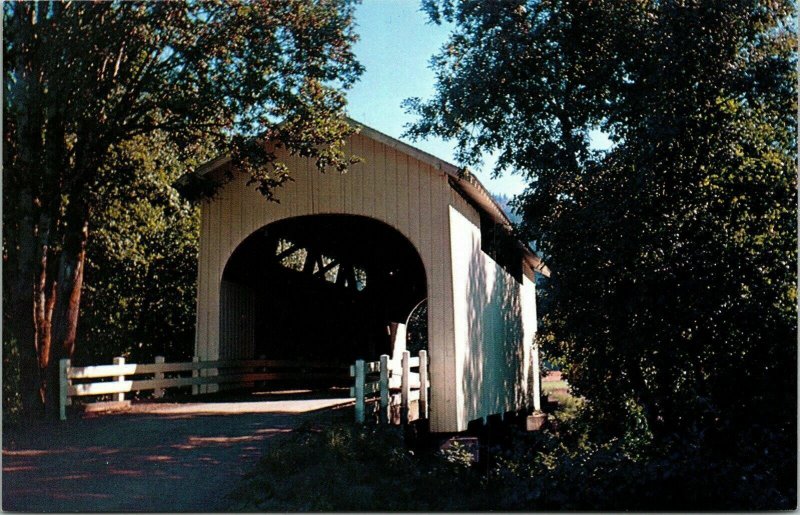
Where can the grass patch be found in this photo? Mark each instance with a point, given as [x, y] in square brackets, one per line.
[349, 468]
[549, 386]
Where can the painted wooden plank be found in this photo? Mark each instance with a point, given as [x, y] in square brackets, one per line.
[195, 374]
[344, 181]
[226, 227]
[202, 281]
[322, 191]
[369, 368]
[242, 228]
[369, 389]
[459, 251]
[206, 266]
[405, 389]
[121, 378]
[249, 218]
[215, 276]
[381, 180]
[357, 172]
[384, 390]
[423, 384]
[402, 197]
[113, 387]
[288, 195]
[396, 382]
[98, 371]
[414, 186]
[396, 365]
[359, 392]
[368, 178]
[63, 387]
[339, 181]
[330, 186]
[396, 399]
[434, 198]
[449, 315]
[427, 220]
[158, 393]
[390, 185]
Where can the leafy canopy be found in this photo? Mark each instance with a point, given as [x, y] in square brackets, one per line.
[672, 302]
[140, 292]
[227, 71]
[84, 82]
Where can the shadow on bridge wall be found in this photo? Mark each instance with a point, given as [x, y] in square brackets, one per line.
[500, 324]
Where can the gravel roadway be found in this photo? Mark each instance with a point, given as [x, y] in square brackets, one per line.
[165, 457]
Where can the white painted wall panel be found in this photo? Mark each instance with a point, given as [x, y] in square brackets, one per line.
[494, 327]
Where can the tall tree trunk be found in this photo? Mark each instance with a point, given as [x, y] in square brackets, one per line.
[23, 232]
[64, 325]
[22, 329]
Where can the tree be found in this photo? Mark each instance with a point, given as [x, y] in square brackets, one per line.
[83, 79]
[672, 301]
[141, 263]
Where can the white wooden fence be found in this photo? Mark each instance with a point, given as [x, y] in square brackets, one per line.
[394, 383]
[202, 373]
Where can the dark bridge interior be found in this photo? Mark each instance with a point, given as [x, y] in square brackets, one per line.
[324, 287]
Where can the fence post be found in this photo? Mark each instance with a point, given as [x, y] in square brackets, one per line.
[195, 373]
[158, 392]
[423, 384]
[359, 390]
[384, 384]
[120, 361]
[405, 386]
[63, 384]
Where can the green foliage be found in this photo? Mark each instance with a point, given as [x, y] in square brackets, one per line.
[139, 300]
[83, 84]
[672, 306]
[12, 402]
[542, 471]
[348, 468]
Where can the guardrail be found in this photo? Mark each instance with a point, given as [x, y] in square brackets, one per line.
[241, 371]
[394, 383]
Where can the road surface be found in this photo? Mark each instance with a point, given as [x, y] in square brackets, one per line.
[154, 457]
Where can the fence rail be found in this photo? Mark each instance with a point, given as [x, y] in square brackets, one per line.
[244, 371]
[394, 383]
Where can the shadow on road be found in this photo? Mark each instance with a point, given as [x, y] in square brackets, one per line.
[163, 456]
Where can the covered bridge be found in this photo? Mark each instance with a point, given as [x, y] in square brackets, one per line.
[332, 269]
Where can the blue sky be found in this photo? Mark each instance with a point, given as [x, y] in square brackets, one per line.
[395, 47]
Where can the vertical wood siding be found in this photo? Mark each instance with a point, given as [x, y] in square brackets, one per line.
[237, 321]
[495, 322]
[390, 186]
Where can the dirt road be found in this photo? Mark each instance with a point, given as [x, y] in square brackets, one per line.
[165, 457]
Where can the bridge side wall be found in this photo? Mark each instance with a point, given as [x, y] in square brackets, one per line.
[497, 367]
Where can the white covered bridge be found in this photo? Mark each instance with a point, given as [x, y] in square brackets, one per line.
[336, 269]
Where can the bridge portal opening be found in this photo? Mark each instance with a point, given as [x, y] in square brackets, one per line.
[319, 288]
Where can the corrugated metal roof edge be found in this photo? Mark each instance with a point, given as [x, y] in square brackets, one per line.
[460, 179]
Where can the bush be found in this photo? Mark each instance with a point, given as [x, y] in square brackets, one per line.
[698, 470]
[12, 401]
[566, 467]
[350, 468]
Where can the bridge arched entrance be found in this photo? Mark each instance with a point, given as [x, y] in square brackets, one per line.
[318, 288]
